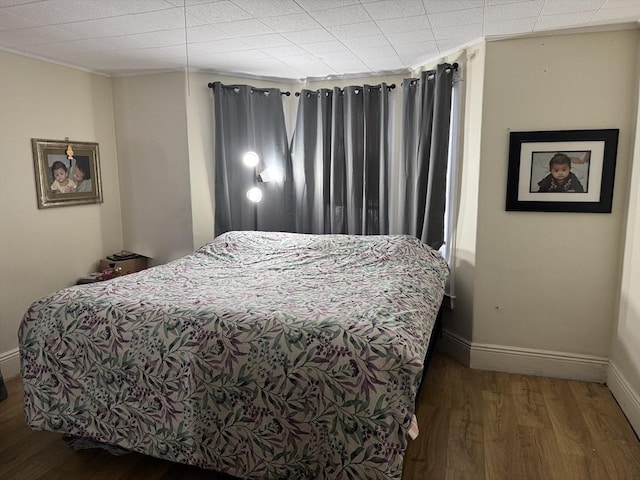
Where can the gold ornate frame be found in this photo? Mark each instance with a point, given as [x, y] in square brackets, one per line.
[69, 153]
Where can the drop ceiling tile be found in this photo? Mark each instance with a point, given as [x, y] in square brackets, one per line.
[460, 17]
[385, 63]
[339, 57]
[549, 22]
[628, 14]
[117, 55]
[272, 8]
[270, 67]
[412, 49]
[161, 38]
[241, 56]
[322, 47]
[34, 36]
[403, 24]
[83, 46]
[244, 28]
[620, 4]
[10, 21]
[386, 9]
[366, 42]
[39, 15]
[344, 62]
[366, 54]
[147, 22]
[449, 44]
[188, 3]
[418, 60]
[513, 11]
[475, 30]
[10, 3]
[410, 37]
[291, 23]
[438, 6]
[205, 33]
[225, 62]
[309, 63]
[314, 35]
[570, 6]
[282, 52]
[218, 46]
[341, 16]
[91, 10]
[490, 3]
[314, 5]
[218, 12]
[94, 28]
[508, 27]
[266, 41]
[176, 51]
[364, 29]
[108, 59]
[60, 50]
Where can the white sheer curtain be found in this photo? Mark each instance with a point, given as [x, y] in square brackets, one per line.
[448, 249]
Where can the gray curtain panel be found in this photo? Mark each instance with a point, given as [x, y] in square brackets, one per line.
[251, 119]
[340, 153]
[426, 124]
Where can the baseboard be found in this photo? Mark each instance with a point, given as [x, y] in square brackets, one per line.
[10, 363]
[525, 361]
[627, 398]
[457, 347]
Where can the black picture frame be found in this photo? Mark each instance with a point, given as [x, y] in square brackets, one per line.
[592, 155]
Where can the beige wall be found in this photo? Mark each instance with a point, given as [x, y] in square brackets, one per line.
[43, 250]
[460, 320]
[550, 281]
[625, 346]
[201, 154]
[153, 155]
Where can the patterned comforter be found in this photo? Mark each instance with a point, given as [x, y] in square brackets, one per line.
[262, 355]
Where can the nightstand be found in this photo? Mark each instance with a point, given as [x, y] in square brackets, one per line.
[127, 266]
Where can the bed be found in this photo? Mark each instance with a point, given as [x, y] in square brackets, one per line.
[260, 355]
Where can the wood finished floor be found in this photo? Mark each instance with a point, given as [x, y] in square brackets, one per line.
[473, 425]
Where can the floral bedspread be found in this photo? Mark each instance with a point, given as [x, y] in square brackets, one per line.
[262, 355]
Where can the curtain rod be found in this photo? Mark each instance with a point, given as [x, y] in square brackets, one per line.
[432, 73]
[389, 87]
[253, 89]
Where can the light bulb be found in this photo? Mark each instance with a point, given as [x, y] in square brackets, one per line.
[271, 174]
[254, 194]
[251, 159]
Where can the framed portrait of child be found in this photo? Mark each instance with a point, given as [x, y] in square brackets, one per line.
[67, 172]
[562, 171]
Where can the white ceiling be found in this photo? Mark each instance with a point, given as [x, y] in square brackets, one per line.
[290, 39]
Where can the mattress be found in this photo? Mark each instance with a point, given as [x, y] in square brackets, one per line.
[261, 355]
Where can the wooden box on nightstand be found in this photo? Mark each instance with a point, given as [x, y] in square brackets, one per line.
[128, 266]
